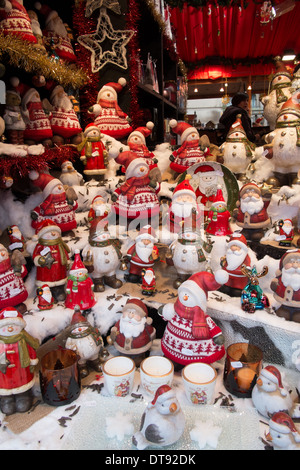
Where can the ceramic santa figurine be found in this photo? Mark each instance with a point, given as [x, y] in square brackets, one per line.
[133, 334]
[137, 196]
[163, 421]
[208, 180]
[80, 287]
[280, 91]
[108, 116]
[14, 20]
[93, 154]
[55, 205]
[237, 150]
[18, 359]
[183, 207]
[190, 151]
[16, 239]
[38, 127]
[283, 434]
[101, 256]
[99, 208]
[137, 144]
[251, 214]
[237, 255]
[283, 147]
[142, 254]
[13, 292]
[286, 286]
[86, 341]
[148, 281]
[191, 335]
[69, 176]
[56, 37]
[45, 297]
[286, 233]
[218, 217]
[51, 258]
[63, 119]
[187, 253]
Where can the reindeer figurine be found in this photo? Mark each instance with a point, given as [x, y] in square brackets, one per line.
[252, 297]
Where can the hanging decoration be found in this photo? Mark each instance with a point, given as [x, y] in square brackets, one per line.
[93, 5]
[266, 13]
[93, 42]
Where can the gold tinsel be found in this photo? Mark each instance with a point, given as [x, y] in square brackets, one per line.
[24, 55]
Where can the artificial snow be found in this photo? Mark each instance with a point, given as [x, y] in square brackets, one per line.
[119, 426]
[206, 434]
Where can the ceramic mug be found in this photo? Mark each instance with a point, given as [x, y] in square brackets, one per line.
[154, 372]
[118, 375]
[199, 380]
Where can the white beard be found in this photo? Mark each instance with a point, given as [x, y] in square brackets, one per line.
[47, 296]
[291, 277]
[287, 229]
[17, 234]
[252, 205]
[132, 328]
[63, 102]
[182, 209]
[148, 278]
[144, 251]
[234, 259]
[100, 209]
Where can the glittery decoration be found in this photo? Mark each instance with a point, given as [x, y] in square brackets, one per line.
[93, 5]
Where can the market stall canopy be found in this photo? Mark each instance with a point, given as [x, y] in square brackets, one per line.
[234, 38]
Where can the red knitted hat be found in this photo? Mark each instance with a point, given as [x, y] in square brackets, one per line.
[113, 87]
[130, 162]
[10, 315]
[182, 128]
[45, 226]
[142, 132]
[77, 264]
[138, 305]
[44, 181]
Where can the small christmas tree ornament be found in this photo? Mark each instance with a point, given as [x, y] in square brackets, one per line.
[191, 335]
[17, 365]
[13, 292]
[142, 254]
[218, 217]
[93, 154]
[101, 256]
[137, 196]
[286, 286]
[51, 258]
[283, 434]
[45, 297]
[163, 421]
[55, 205]
[86, 341]
[108, 116]
[191, 151]
[280, 91]
[80, 287]
[133, 334]
[252, 297]
[237, 150]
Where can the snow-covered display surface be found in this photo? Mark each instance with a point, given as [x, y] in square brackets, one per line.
[230, 423]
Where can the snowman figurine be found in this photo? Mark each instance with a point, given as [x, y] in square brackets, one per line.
[69, 176]
[191, 335]
[283, 434]
[283, 147]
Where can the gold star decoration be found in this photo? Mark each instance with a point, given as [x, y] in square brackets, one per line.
[93, 5]
[119, 39]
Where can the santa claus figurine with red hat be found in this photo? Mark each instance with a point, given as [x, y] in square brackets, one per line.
[51, 258]
[251, 214]
[18, 359]
[148, 281]
[55, 205]
[80, 287]
[137, 196]
[207, 178]
[183, 207]
[218, 217]
[45, 297]
[92, 152]
[99, 208]
[286, 233]
[237, 255]
[86, 341]
[13, 292]
[286, 286]
[191, 335]
[137, 144]
[190, 152]
[133, 334]
[108, 116]
[142, 254]
[14, 20]
[64, 122]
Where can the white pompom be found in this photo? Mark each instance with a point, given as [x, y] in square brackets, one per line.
[173, 123]
[150, 125]
[221, 276]
[15, 81]
[122, 81]
[38, 5]
[33, 175]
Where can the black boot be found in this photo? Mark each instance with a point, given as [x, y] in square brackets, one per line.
[99, 285]
[24, 401]
[113, 282]
[8, 405]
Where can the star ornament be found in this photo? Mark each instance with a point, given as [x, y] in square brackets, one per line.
[117, 39]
